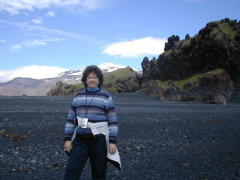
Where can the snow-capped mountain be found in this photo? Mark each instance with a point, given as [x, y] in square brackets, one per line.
[71, 76]
[29, 86]
[109, 67]
[75, 76]
[71, 72]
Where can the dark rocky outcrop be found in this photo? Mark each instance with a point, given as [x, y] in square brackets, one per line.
[215, 46]
[146, 68]
[129, 84]
[212, 87]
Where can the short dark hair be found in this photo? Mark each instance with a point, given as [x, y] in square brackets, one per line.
[92, 69]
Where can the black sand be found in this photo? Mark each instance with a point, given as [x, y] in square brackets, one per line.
[158, 140]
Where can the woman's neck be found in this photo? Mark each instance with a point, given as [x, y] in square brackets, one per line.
[90, 89]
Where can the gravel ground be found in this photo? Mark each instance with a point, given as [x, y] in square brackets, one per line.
[158, 140]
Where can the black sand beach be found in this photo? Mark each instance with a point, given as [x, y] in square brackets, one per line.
[158, 140]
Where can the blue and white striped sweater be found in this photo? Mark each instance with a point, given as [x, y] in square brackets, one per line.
[95, 104]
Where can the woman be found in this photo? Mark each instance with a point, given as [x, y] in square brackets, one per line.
[91, 129]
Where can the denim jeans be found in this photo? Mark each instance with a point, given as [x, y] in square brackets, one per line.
[93, 148]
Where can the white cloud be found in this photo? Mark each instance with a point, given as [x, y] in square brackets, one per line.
[33, 71]
[16, 6]
[50, 14]
[137, 47]
[2, 41]
[35, 42]
[37, 21]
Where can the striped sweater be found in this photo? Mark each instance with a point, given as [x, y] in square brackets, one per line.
[96, 105]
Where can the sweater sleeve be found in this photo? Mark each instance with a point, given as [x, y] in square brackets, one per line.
[112, 121]
[70, 126]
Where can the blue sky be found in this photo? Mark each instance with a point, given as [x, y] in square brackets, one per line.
[43, 38]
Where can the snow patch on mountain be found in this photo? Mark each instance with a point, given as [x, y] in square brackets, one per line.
[109, 67]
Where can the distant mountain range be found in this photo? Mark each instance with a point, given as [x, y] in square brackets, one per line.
[39, 87]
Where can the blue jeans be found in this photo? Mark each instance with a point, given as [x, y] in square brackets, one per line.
[96, 150]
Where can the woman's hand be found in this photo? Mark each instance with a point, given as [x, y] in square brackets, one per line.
[67, 146]
[112, 148]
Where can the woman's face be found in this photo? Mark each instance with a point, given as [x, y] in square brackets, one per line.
[92, 80]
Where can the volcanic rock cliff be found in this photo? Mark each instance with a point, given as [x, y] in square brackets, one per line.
[203, 68]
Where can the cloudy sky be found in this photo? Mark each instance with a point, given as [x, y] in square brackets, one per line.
[43, 38]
